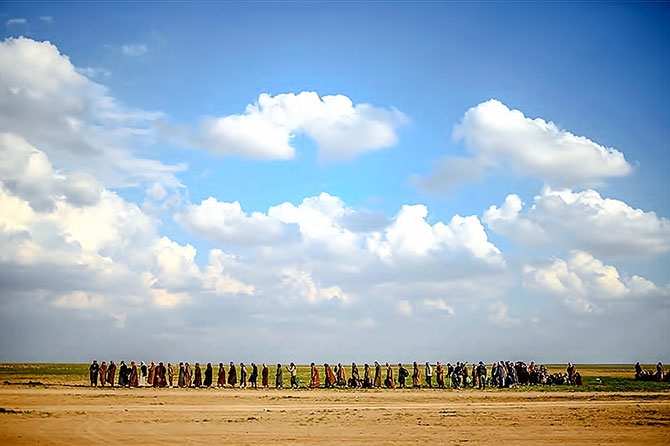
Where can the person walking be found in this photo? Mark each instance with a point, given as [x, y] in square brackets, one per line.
[93, 370]
[429, 375]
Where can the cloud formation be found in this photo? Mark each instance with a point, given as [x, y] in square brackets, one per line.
[48, 103]
[16, 21]
[266, 129]
[134, 49]
[586, 284]
[581, 220]
[498, 137]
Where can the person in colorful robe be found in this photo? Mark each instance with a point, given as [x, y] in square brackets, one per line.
[134, 376]
[265, 376]
[314, 379]
[232, 374]
[188, 375]
[103, 373]
[152, 374]
[416, 376]
[389, 381]
[378, 375]
[111, 373]
[329, 376]
[197, 375]
[221, 380]
[170, 372]
[355, 380]
[341, 375]
[439, 373]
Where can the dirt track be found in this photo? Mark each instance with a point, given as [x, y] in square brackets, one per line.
[63, 415]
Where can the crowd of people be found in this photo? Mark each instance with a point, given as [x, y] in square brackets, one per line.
[502, 374]
[647, 375]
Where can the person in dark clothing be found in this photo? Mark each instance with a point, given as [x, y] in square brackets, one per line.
[232, 374]
[124, 373]
[93, 370]
[111, 373]
[403, 373]
[208, 375]
[481, 373]
[279, 377]
[253, 377]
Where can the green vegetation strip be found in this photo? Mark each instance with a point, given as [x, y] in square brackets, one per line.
[597, 378]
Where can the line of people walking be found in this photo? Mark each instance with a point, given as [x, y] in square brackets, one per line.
[459, 375]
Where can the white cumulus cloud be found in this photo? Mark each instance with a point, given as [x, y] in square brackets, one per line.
[266, 129]
[581, 220]
[46, 101]
[498, 137]
[585, 283]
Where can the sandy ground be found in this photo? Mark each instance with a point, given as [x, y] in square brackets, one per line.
[73, 415]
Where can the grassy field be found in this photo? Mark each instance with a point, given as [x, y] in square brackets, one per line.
[597, 377]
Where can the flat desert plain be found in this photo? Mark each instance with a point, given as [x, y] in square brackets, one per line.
[72, 415]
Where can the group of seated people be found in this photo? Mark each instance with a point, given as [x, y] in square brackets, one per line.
[503, 374]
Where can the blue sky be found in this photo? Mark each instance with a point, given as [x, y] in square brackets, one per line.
[334, 181]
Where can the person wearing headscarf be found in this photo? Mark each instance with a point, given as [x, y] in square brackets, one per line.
[243, 375]
[439, 375]
[279, 377]
[143, 374]
[103, 373]
[188, 375]
[265, 376]
[429, 375]
[329, 375]
[111, 373]
[170, 371]
[181, 381]
[152, 374]
[134, 382]
[341, 375]
[660, 372]
[253, 377]
[93, 371]
[355, 376]
[221, 380]
[389, 381]
[367, 378]
[232, 374]
[123, 374]
[481, 372]
[402, 376]
[378, 375]
[197, 375]
[208, 375]
[416, 376]
[293, 372]
[314, 380]
[159, 379]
